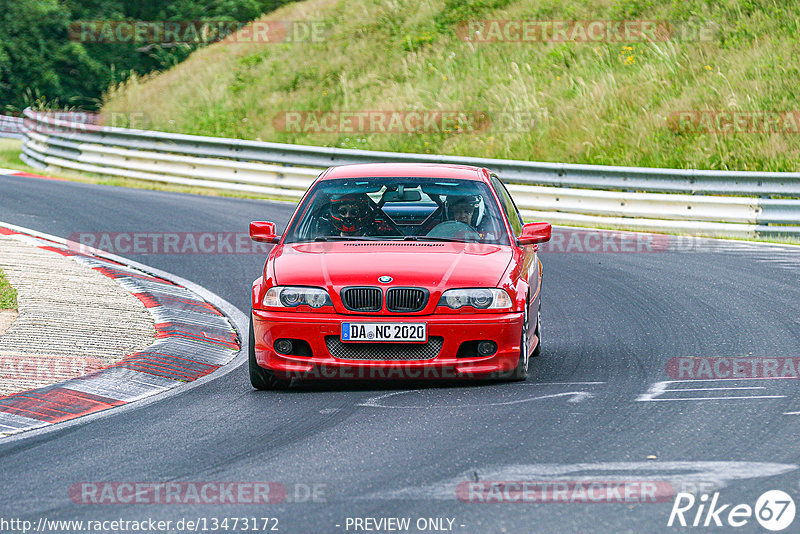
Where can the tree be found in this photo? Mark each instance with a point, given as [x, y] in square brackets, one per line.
[38, 60]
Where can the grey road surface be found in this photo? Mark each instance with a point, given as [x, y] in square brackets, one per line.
[600, 405]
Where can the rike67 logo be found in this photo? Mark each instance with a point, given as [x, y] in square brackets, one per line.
[774, 511]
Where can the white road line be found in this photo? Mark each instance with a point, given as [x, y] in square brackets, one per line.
[718, 398]
[560, 383]
[375, 402]
[659, 389]
[714, 389]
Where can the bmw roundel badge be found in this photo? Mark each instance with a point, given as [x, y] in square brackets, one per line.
[385, 279]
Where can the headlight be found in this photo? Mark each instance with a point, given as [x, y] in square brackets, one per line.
[482, 299]
[291, 297]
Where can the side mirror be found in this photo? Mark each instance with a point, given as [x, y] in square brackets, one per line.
[263, 232]
[533, 233]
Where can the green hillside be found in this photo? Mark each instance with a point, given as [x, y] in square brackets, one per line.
[582, 102]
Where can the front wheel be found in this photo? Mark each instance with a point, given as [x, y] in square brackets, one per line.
[520, 373]
[538, 350]
[261, 378]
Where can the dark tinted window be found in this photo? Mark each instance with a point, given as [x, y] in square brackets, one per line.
[508, 206]
[397, 208]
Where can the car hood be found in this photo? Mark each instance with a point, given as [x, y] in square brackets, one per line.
[409, 263]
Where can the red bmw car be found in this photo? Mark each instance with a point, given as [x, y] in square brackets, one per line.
[398, 271]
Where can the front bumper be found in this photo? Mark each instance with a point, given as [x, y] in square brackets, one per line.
[505, 329]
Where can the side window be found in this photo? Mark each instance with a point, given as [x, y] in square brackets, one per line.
[508, 206]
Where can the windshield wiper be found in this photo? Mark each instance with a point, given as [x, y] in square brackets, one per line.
[348, 238]
[326, 238]
[446, 239]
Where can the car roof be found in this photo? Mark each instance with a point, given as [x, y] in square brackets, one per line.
[406, 170]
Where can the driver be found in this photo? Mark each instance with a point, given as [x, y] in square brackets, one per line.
[351, 214]
[462, 208]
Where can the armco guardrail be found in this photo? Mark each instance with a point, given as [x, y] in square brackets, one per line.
[671, 200]
[10, 126]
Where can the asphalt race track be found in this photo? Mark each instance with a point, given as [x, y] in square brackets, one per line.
[600, 405]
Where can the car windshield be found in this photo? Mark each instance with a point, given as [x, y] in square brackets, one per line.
[423, 209]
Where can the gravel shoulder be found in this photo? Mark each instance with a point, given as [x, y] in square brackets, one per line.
[71, 319]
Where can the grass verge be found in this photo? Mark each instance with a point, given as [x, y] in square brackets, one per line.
[8, 295]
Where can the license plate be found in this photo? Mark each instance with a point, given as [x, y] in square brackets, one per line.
[414, 332]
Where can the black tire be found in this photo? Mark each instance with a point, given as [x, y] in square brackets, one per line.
[520, 372]
[538, 350]
[261, 378]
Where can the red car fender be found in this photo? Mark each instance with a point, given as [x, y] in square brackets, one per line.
[257, 295]
[265, 281]
[520, 298]
[536, 289]
[513, 281]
